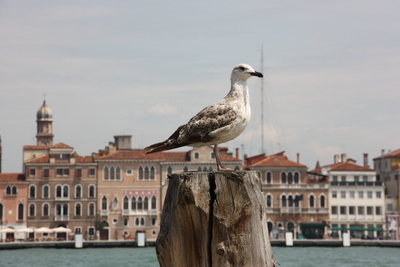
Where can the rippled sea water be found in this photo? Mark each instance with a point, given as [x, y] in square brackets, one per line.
[146, 257]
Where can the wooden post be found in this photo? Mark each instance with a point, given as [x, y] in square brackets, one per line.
[214, 219]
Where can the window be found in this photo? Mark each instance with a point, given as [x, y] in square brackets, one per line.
[78, 209]
[153, 203]
[343, 210]
[334, 210]
[152, 173]
[140, 170]
[370, 210]
[360, 194]
[334, 178]
[369, 194]
[378, 210]
[112, 173]
[104, 203]
[32, 191]
[126, 221]
[45, 211]
[8, 190]
[78, 191]
[290, 201]
[343, 178]
[126, 203]
[283, 201]
[46, 191]
[352, 194]
[118, 173]
[11, 190]
[322, 201]
[78, 172]
[58, 191]
[46, 172]
[365, 178]
[269, 177]
[20, 212]
[356, 178]
[129, 172]
[140, 203]
[146, 173]
[91, 191]
[334, 194]
[32, 210]
[342, 194]
[92, 172]
[91, 231]
[146, 203]
[290, 178]
[137, 222]
[62, 172]
[91, 209]
[32, 172]
[269, 201]
[1, 212]
[61, 210]
[296, 178]
[283, 178]
[196, 155]
[153, 221]
[65, 191]
[360, 210]
[378, 194]
[105, 177]
[142, 221]
[133, 203]
[14, 190]
[311, 201]
[352, 210]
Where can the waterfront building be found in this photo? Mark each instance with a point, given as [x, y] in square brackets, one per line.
[13, 204]
[61, 184]
[132, 184]
[387, 167]
[295, 201]
[357, 199]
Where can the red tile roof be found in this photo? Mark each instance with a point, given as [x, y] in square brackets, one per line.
[276, 160]
[12, 177]
[58, 145]
[78, 159]
[395, 153]
[343, 166]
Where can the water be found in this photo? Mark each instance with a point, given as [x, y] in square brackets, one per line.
[146, 257]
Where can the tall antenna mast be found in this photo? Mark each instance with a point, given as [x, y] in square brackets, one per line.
[262, 99]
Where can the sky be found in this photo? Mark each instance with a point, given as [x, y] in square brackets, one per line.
[143, 68]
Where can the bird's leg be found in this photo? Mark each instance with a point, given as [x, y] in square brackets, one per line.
[219, 165]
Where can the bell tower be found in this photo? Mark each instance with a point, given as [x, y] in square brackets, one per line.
[44, 121]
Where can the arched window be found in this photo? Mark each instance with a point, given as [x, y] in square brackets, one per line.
[20, 212]
[126, 221]
[1, 212]
[137, 221]
[169, 170]
[32, 191]
[8, 190]
[199, 169]
[322, 201]
[133, 203]
[296, 178]
[153, 221]
[91, 209]
[78, 191]
[311, 201]
[290, 201]
[45, 211]
[153, 203]
[112, 173]
[59, 191]
[32, 210]
[14, 190]
[140, 170]
[65, 210]
[146, 173]
[269, 201]
[106, 173]
[269, 177]
[58, 209]
[140, 203]
[126, 203]
[118, 173]
[78, 209]
[91, 191]
[283, 201]
[185, 169]
[283, 177]
[290, 178]
[152, 173]
[65, 191]
[104, 203]
[46, 191]
[142, 221]
[146, 203]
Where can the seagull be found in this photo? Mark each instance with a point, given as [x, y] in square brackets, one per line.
[218, 123]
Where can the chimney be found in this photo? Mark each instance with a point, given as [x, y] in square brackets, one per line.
[383, 152]
[335, 159]
[365, 156]
[123, 141]
[298, 157]
[344, 157]
[237, 152]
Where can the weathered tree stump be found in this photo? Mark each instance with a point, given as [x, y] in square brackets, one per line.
[214, 219]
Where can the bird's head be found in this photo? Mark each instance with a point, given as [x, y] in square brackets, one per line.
[243, 72]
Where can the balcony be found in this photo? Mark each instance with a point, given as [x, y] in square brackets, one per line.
[61, 218]
[293, 210]
[377, 183]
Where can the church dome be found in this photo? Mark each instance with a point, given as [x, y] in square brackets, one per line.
[44, 112]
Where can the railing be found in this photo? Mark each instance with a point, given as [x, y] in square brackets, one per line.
[61, 218]
[376, 183]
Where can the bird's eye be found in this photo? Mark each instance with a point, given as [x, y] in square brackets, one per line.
[242, 68]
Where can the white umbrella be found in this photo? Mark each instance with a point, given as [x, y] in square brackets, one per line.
[7, 230]
[61, 230]
[43, 230]
[25, 230]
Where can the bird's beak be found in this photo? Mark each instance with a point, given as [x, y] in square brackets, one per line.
[256, 73]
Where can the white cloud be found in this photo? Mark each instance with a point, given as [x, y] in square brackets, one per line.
[163, 109]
